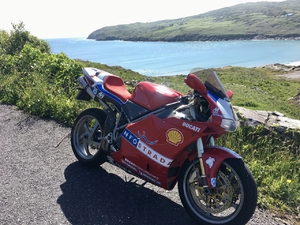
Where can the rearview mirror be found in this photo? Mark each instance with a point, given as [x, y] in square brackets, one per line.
[196, 84]
[229, 94]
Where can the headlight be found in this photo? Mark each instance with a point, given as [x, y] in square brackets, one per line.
[230, 125]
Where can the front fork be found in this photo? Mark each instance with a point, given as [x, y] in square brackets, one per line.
[200, 151]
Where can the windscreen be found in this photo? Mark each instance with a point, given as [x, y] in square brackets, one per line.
[211, 82]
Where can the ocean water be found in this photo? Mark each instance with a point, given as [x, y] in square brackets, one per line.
[174, 58]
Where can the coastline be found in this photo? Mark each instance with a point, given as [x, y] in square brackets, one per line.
[296, 64]
[201, 38]
[168, 59]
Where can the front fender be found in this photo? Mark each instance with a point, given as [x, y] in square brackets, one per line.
[213, 157]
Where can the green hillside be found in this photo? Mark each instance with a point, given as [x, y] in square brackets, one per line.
[244, 21]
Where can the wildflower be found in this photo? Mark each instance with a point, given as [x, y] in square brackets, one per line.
[289, 181]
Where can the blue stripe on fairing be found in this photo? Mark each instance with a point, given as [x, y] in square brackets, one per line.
[101, 88]
[214, 97]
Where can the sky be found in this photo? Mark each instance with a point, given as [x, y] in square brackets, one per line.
[78, 18]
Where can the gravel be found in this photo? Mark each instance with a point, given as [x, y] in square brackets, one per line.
[42, 183]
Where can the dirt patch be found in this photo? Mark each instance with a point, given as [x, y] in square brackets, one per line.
[296, 99]
[295, 75]
[290, 71]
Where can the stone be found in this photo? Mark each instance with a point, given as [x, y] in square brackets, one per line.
[269, 119]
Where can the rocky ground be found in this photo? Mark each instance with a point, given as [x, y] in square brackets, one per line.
[290, 70]
[276, 120]
[292, 75]
[42, 183]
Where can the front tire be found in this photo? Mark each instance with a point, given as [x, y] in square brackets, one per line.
[232, 202]
[86, 137]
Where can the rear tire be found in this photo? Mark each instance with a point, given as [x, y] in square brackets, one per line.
[232, 202]
[86, 137]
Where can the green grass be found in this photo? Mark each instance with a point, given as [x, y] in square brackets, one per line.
[261, 89]
[274, 160]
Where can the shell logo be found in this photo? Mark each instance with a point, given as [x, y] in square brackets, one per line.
[174, 136]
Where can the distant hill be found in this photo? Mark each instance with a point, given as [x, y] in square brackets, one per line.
[244, 21]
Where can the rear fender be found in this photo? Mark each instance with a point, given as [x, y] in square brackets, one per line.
[83, 95]
[213, 157]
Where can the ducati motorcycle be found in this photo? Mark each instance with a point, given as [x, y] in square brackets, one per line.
[166, 138]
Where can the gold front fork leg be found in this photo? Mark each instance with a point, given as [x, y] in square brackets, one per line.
[200, 151]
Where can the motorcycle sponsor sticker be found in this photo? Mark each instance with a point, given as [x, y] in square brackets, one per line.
[141, 172]
[100, 95]
[95, 90]
[191, 127]
[174, 136]
[213, 182]
[149, 178]
[216, 111]
[143, 136]
[145, 149]
[210, 162]
[130, 165]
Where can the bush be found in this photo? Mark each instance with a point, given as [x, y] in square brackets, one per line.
[14, 42]
[35, 80]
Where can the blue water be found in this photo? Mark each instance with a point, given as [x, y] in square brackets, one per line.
[173, 58]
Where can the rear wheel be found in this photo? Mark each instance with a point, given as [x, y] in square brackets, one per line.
[86, 137]
[232, 202]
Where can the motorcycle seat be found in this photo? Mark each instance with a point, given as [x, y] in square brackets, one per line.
[116, 86]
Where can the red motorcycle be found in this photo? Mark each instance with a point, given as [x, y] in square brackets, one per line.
[164, 137]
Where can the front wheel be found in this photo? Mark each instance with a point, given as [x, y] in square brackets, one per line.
[87, 135]
[232, 202]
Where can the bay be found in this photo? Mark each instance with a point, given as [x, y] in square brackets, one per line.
[174, 58]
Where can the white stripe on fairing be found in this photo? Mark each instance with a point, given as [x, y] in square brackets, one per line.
[225, 108]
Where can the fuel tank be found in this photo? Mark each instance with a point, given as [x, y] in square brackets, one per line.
[152, 96]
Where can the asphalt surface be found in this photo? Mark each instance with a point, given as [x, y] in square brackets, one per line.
[42, 183]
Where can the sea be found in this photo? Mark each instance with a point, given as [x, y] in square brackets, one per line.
[177, 58]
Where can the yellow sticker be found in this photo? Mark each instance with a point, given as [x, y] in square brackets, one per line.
[174, 136]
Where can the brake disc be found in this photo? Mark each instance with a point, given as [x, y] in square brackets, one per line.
[213, 201]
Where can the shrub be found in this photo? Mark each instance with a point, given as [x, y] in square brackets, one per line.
[14, 42]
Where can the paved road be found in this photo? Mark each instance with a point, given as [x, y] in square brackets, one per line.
[44, 184]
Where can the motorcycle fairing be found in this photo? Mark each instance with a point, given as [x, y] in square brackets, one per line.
[224, 109]
[133, 110]
[110, 85]
[155, 145]
[144, 147]
[207, 83]
[213, 157]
